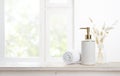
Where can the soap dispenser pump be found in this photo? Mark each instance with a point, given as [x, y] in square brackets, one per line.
[88, 49]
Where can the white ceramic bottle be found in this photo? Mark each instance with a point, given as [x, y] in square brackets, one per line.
[88, 49]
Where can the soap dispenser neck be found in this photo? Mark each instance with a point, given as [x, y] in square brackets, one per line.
[88, 36]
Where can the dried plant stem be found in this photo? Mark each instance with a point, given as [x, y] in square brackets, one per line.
[100, 34]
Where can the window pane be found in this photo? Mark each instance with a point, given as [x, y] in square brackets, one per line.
[58, 21]
[22, 28]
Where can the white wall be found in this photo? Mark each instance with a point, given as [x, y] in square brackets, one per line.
[100, 11]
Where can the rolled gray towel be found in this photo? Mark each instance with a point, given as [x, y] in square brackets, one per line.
[70, 58]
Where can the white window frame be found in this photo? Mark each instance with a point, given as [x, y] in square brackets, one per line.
[70, 31]
[2, 39]
[43, 58]
[1, 29]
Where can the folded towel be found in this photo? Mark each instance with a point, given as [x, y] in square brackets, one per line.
[71, 58]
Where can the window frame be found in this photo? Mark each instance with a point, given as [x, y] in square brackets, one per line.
[70, 31]
[44, 57]
[2, 38]
[2, 29]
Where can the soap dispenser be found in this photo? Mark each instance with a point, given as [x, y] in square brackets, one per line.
[87, 49]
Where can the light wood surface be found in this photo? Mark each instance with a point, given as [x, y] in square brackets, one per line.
[62, 67]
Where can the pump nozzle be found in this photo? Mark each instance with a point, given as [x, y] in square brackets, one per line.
[88, 36]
